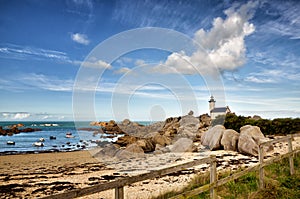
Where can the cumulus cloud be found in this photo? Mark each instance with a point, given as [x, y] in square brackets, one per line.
[80, 38]
[223, 46]
[139, 62]
[21, 115]
[122, 70]
[16, 116]
[96, 64]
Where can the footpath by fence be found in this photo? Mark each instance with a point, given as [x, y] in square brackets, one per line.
[118, 185]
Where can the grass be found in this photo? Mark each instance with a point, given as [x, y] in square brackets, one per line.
[279, 184]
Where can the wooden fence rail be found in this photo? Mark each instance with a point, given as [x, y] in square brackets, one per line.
[118, 185]
[290, 154]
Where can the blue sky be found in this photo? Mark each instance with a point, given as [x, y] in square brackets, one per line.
[251, 49]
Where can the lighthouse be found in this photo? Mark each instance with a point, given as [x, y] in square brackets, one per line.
[212, 102]
[216, 111]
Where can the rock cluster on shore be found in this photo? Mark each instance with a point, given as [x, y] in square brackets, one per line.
[178, 134]
[14, 129]
[246, 142]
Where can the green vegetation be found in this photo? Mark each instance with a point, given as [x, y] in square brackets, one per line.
[279, 184]
[280, 126]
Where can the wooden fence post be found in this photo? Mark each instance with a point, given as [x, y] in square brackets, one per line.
[261, 168]
[291, 157]
[119, 193]
[213, 177]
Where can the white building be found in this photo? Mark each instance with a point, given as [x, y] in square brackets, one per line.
[216, 111]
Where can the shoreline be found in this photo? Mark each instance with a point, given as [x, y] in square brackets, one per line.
[8, 153]
[41, 174]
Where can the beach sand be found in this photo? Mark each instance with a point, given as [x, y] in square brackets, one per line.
[37, 175]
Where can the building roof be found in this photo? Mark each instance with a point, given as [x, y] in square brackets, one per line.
[219, 110]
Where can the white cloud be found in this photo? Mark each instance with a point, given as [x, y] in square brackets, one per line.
[32, 81]
[80, 38]
[272, 76]
[6, 116]
[287, 22]
[224, 45]
[25, 52]
[259, 79]
[21, 115]
[139, 62]
[15, 115]
[96, 64]
[122, 70]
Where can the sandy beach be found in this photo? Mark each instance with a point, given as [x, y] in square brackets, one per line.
[37, 175]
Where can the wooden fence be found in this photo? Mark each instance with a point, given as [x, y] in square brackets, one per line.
[118, 185]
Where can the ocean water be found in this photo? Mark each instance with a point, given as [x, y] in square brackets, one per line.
[24, 141]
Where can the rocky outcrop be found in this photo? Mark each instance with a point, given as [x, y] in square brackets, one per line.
[132, 150]
[191, 112]
[177, 134]
[112, 128]
[249, 139]
[15, 130]
[189, 126]
[16, 126]
[230, 140]
[183, 145]
[158, 136]
[108, 150]
[138, 130]
[161, 139]
[126, 140]
[205, 121]
[146, 144]
[98, 123]
[171, 126]
[212, 137]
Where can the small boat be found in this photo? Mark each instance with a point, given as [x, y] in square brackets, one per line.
[10, 143]
[38, 144]
[52, 137]
[69, 135]
[42, 139]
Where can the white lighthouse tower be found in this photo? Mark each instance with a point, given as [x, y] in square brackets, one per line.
[212, 102]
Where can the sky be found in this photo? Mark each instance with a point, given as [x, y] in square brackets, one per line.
[148, 60]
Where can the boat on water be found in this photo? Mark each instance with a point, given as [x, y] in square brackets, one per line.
[38, 144]
[10, 143]
[69, 135]
[52, 137]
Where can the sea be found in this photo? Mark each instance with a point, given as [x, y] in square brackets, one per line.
[81, 139]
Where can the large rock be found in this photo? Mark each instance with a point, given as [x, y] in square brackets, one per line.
[212, 137]
[109, 150]
[230, 140]
[139, 130]
[146, 144]
[189, 126]
[126, 140]
[132, 150]
[183, 145]
[189, 121]
[112, 128]
[205, 120]
[249, 139]
[171, 123]
[161, 139]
